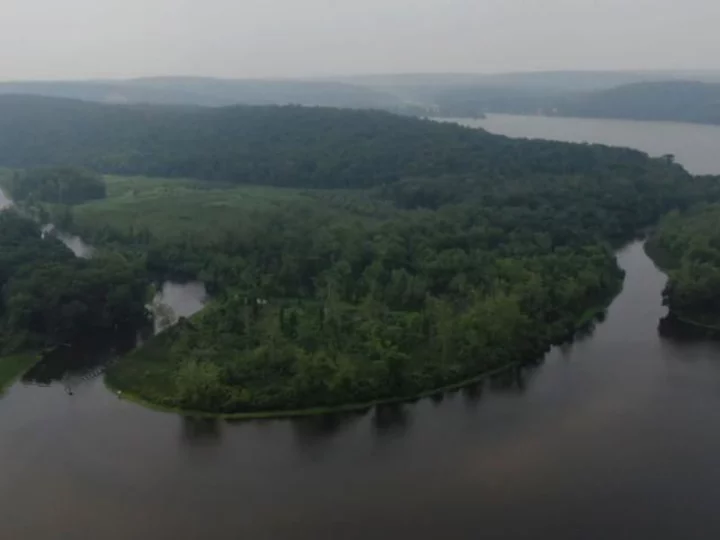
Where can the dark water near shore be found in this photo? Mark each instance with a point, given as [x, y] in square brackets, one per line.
[614, 436]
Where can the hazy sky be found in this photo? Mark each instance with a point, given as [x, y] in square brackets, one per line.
[50, 39]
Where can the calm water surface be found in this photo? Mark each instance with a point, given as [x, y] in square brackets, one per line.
[695, 145]
[614, 436]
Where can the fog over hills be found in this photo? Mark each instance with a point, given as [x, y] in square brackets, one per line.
[646, 95]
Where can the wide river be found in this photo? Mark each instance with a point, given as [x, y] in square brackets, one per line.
[694, 145]
[614, 436]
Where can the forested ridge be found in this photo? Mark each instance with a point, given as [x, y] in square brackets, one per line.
[670, 100]
[353, 256]
[279, 146]
[674, 100]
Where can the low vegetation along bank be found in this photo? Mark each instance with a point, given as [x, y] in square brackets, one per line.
[687, 246]
[15, 366]
[354, 257]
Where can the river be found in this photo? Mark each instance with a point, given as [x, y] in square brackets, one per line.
[613, 436]
[172, 301]
[694, 145]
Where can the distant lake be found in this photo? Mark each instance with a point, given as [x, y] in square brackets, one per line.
[695, 146]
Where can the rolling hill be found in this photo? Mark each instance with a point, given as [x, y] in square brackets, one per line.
[210, 92]
[684, 101]
[282, 146]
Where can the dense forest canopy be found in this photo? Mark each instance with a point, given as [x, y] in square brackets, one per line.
[688, 244]
[325, 298]
[279, 146]
[50, 298]
[321, 301]
[58, 185]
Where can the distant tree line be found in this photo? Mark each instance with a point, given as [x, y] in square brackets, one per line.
[278, 146]
[57, 185]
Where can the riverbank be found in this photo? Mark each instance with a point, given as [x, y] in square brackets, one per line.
[666, 263]
[659, 256]
[129, 393]
[316, 411]
[13, 367]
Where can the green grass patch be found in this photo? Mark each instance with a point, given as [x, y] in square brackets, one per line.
[15, 366]
[172, 209]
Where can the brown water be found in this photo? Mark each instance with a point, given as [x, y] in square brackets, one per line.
[615, 436]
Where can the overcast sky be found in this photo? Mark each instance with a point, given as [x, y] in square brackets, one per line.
[52, 39]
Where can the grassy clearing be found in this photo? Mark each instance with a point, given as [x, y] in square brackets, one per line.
[175, 209]
[171, 209]
[15, 366]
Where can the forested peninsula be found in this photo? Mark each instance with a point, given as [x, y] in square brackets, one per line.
[51, 299]
[687, 246]
[353, 256]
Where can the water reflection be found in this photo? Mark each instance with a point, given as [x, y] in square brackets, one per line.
[81, 361]
[391, 420]
[473, 393]
[314, 431]
[673, 328]
[200, 431]
[514, 380]
[588, 330]
[612, 443]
